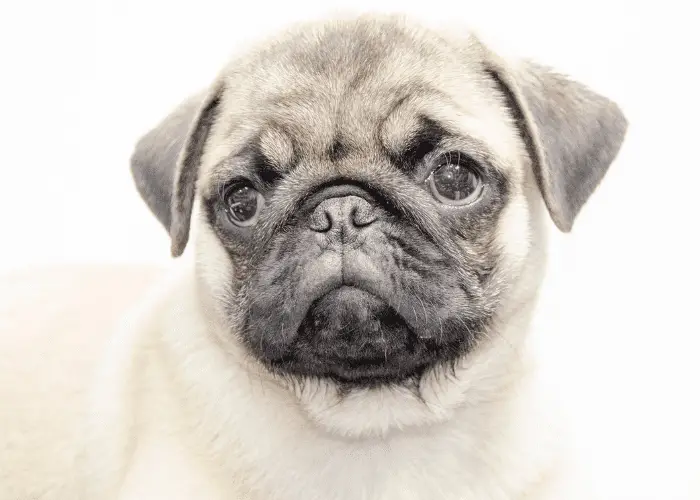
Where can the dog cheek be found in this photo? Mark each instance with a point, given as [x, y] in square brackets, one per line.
[213, 262]
[222, 272]
[278, 291]
[514, 234]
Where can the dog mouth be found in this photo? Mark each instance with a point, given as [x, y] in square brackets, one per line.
[355, 337]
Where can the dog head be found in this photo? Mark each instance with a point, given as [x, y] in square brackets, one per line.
[367, 196]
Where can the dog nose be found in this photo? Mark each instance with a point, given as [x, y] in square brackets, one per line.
[342, 217]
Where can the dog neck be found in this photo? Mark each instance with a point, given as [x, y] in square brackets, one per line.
[252, 428]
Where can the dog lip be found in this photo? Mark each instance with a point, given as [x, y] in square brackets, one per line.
[331, 270]
[379, 339]
[328, 345]
[363, 286]
[374, 288]
[353, 286]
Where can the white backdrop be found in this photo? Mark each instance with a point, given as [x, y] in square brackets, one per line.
[81, 79]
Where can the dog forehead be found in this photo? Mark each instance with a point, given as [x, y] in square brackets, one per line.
[336, 83]
[338, 74]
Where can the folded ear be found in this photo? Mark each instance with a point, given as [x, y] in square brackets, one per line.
[155, 157]
[165, 164]
[187, 170]
[572, 134]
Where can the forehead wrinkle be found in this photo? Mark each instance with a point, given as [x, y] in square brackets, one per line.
[406, 118]
[307, 119]
[399, 126]
[276, 147]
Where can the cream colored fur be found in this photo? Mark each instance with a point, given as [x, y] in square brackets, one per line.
[54, 325]
[177, 409]
[175, 416]
[172, 416]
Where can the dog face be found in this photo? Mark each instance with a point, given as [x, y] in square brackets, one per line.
[367, 196]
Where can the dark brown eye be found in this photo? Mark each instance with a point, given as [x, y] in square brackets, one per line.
[456, 180]
[243, 204]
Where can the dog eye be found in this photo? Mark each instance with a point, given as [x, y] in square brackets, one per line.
[243, 203]
[456, 180]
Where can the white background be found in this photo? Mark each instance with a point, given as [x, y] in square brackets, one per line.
[82, 79]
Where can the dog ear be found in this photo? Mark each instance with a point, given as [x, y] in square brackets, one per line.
[571, 133]
[187, 170]
[165, 164]
[155, 157]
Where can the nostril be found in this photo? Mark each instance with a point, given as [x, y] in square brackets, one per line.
[342, 214]
[320, 221]
[362, 216]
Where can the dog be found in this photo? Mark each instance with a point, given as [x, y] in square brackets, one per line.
[369, 201]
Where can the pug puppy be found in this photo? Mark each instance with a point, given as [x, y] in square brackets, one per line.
[369, 199]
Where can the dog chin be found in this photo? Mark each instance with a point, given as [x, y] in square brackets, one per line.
[478, 377]
[377, 411]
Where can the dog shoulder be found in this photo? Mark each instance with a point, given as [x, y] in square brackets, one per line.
[54, 323]
[133, 434]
